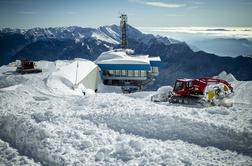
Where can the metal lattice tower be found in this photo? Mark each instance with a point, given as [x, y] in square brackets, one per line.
[123, 24]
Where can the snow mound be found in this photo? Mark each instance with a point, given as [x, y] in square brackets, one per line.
[228, 77]
[164, 90]
[242, 89]
[242, 92]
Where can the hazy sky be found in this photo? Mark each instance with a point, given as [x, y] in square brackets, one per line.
[141, 13]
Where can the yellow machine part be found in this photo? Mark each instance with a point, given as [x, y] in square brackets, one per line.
[210, 95]
[225, 88]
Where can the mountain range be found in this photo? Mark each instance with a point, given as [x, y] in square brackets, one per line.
[178, 59]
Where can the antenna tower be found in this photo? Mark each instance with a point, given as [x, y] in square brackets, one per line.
[123, 24]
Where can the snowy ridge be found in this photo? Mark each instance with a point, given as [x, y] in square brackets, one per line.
[72, 32]
[109, 34]
[117, 129]
[111, 31]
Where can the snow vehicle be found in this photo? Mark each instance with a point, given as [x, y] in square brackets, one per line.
[27, 66]
[191, 91]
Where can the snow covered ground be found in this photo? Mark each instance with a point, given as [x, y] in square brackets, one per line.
[39, 126]
[10, 156]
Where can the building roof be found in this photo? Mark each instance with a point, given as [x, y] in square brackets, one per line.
[121, 57]
[156, 58]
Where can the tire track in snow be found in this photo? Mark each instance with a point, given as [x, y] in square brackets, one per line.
[173, 128]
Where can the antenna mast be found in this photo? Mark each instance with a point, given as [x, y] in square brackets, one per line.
[123, 24]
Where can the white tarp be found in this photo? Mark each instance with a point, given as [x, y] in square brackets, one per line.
[81, 74]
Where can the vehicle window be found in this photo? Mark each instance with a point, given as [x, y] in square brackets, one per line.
[189, 84]
[178, 86]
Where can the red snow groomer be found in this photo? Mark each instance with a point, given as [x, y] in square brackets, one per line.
[190, 87]
[189, 91]
[27, 66]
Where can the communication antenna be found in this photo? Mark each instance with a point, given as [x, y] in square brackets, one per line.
[123, 25]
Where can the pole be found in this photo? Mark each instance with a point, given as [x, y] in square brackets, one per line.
[76, 73]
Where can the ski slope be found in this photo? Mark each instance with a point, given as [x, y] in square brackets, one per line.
[107, 128]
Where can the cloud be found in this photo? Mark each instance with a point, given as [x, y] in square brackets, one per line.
[218, 29]
[198, 3]
[164, 5]
[158, 4]
[235, 32]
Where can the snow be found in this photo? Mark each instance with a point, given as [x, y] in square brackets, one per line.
[113, 33]
[121, 57]
[77, 41]
[228, 77]
[10, 156]
[10, 87]
[81, 35]
[109, 89]
[164, 90]
[242, 89]
[117, 129]
[107, 46]
[155, 58]
[103, 37]
[244, 94]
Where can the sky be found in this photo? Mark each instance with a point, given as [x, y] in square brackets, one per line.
[141, 13]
